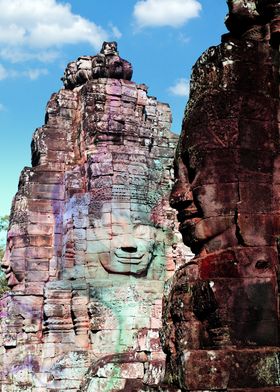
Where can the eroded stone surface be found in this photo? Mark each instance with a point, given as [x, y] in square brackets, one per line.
[221, 316]
[92, 239]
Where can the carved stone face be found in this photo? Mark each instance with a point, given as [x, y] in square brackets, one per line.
[84, 69]
[224, 166]
[98, 66]
[247, 7]
[181, 199]
[84, 63]
[130, 241]
[69, 78]
[13, 270]
[206, 210]
[242, 15]
[109, 48]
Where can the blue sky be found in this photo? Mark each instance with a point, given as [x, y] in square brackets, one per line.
[162, 39]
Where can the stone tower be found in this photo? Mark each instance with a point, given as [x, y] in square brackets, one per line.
[92, 238]
[221, 318]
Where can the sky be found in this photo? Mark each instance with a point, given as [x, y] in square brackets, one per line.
[161, 38]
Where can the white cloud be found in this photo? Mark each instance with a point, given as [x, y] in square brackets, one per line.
[33, 30]
[158, 13]
[35, 73]
[181, 88]
[183, 38]
[22, 55]
[3, 72]
[31, 73]
[2, 107]
[115, 31]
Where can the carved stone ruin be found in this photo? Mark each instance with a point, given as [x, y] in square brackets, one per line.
[221, 316]
[92, 238]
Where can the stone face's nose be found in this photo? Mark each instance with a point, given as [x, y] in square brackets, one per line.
[181, 195]
[128, 242]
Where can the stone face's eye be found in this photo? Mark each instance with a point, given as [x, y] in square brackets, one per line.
[262, 264]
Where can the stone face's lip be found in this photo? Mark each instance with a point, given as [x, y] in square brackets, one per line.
[129, 259]
[186, 225]
[125, 255]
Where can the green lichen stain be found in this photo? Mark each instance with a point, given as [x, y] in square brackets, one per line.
[128, 308]
[131, 303]
[114, 379]
[116, 372]
[268, 370]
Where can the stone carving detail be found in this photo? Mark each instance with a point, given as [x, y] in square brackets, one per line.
[221, 317]
[107, 64]
[92, 238]
[254, 19]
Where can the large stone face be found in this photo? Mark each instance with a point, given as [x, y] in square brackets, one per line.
[92, 238]
[221, 317]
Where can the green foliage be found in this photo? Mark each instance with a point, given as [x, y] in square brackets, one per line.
[4, 288]
[4, 222]
[3, 281]
[2, 250]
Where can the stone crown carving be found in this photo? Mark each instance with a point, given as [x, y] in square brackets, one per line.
[107, 64]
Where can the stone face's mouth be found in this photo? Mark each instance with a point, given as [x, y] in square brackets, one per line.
[125, 257]
[188, 230]
[187, 225]
[129, 261]
[186, 209]
[187, 218]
